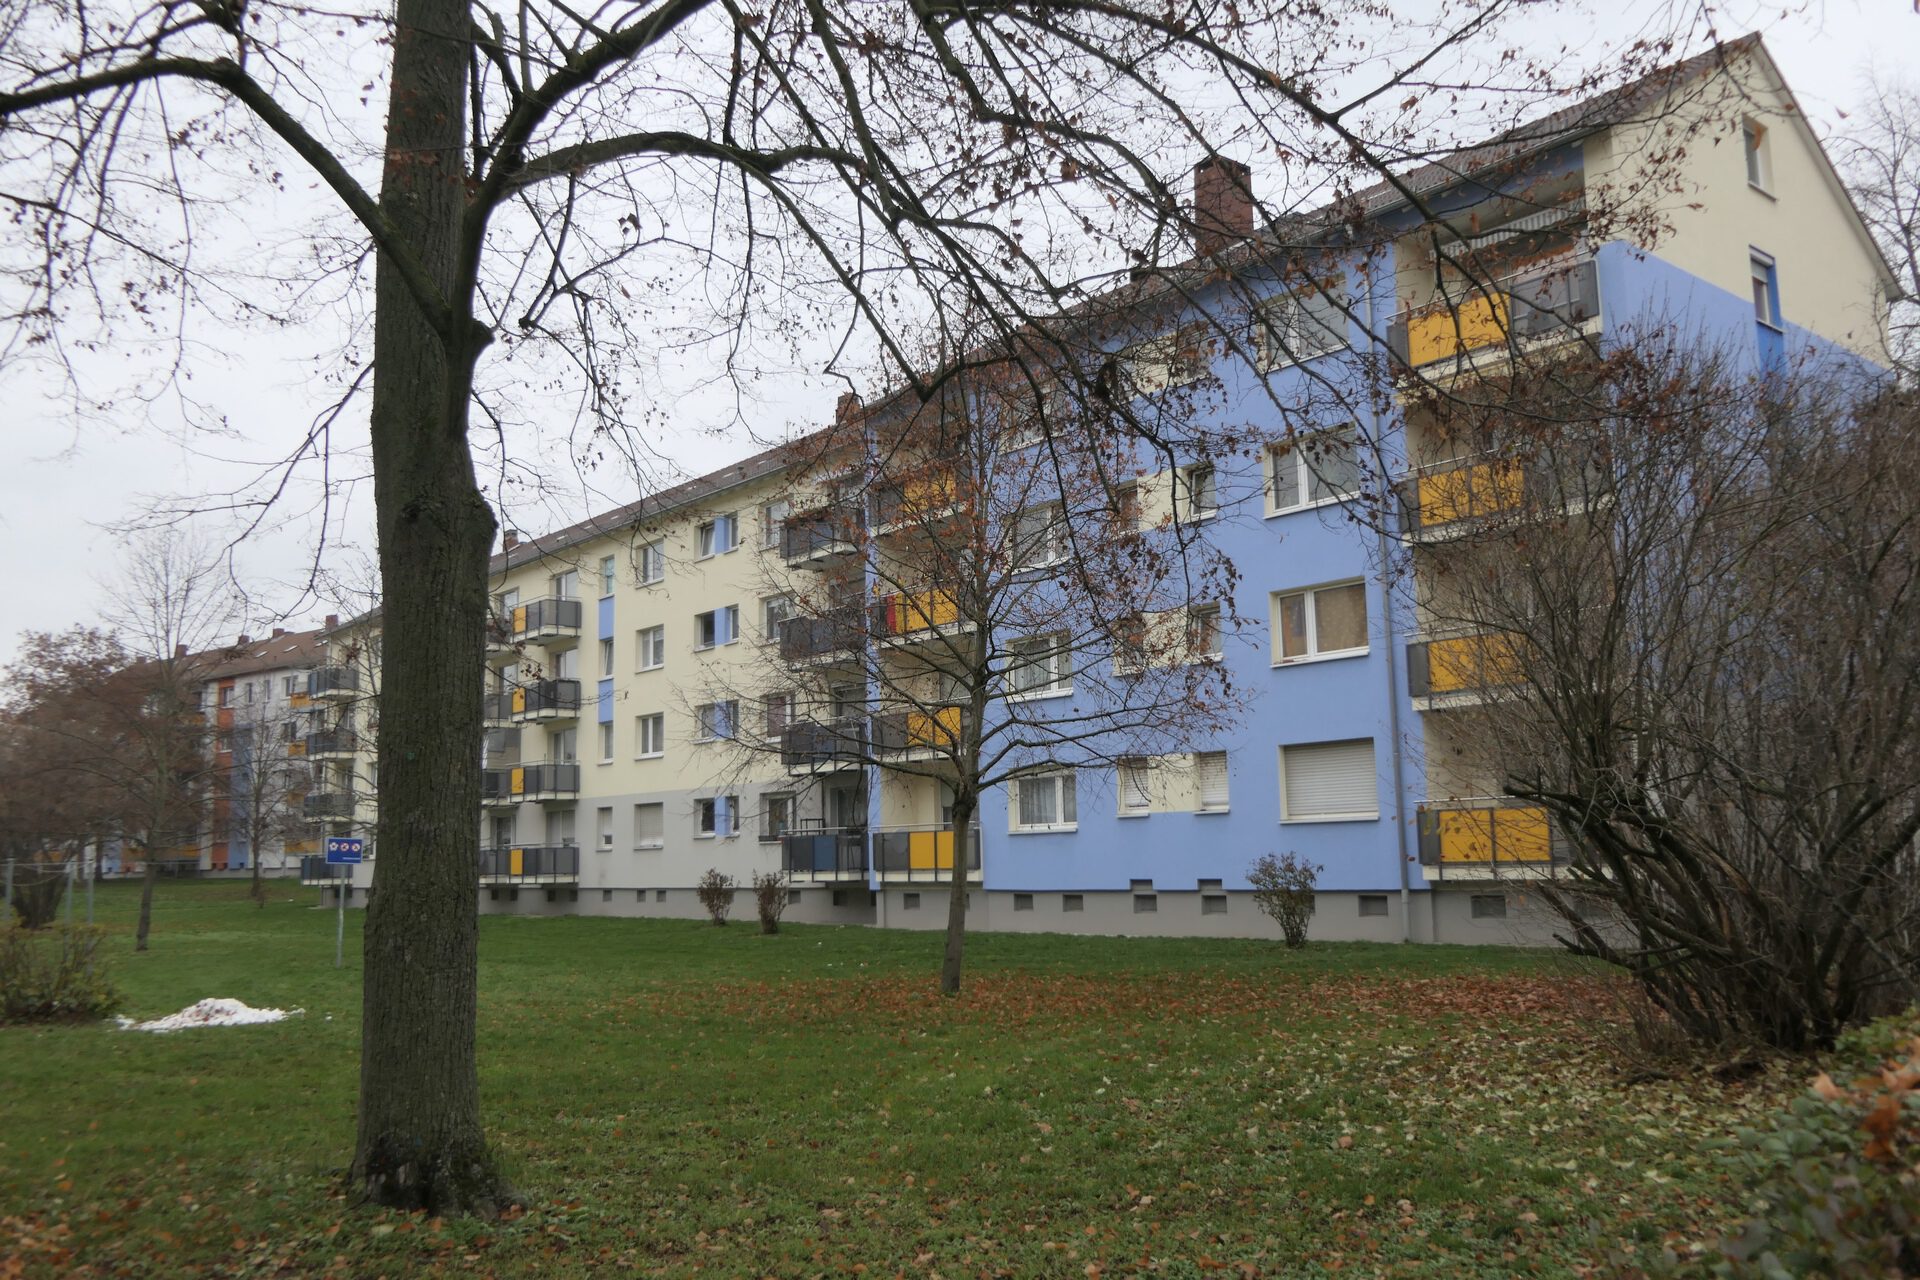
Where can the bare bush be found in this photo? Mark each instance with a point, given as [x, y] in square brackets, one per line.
[715, 892]
[770, 899]
[1283, 890]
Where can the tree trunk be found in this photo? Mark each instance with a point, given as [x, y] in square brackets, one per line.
[420, 1143]
[146, 902]
[259, 890]
[963, 807]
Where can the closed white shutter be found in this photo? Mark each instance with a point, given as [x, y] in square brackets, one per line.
[1330, 779]
[648, 826]
[1210, 769]
[1136, 787]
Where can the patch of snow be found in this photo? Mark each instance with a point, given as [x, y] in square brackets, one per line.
[214, 1012]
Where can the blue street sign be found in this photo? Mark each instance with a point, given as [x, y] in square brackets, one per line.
[343, 850]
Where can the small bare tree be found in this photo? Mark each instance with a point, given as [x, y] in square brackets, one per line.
[1682, 625]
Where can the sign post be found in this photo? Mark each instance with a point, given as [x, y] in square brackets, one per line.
[343, 851]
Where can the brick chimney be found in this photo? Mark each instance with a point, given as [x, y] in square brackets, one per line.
[179, 651]
[846, 408]
[1222, 204]
[509, 539]
[243, 641]
[333, 620]
[278, 632]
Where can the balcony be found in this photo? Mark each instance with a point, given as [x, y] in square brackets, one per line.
[820, 641]
[1527, 306]
[822, 538]
[542, 701]
[824, 855]
[1487, 839]
[497, 789]
[917, 734]
[315, 869]
[917, 615]
[812, 747]
[1462, 496]
[500, 634]
[553, 621]
[547, 780]
[922, 853]
[333, 805]
[531, 864]
[921, 501]
[333, 683]
[1461, 670]
[332, 744]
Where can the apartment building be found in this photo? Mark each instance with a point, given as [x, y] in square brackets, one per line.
[699, 679]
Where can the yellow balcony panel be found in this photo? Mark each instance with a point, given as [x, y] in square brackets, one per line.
[1446, 332]
[930, 851]
[1472, 662]
[1461, 493]
[516, 860]
[940, 730]
[517, 784]
[1506, 834]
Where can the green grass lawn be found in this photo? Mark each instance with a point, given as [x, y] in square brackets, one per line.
[675, 1099]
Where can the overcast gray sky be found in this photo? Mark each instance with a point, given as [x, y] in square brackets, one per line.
[253, 393]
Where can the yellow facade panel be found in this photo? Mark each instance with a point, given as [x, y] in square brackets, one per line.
[1445, 332]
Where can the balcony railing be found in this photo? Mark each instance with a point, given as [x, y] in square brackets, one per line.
[546, 619]
[823, 536]
[924, 498]
[1447, 497]
[898, 732]
[809, 745]
[327, 804]
[922, 853]
[833, 633]
[540, 700]
[1488, 834]
[1532, 304]
[530, 864]
[1460, 666]
[333, 682]
[823, 855]
[331, 743]
[315, 869]
[914, 612]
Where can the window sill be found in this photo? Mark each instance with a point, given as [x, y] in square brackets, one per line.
[1770, 326]
[1137, 813]
[1315, 505]
[1330, 817]
[1055, 829]
[1754, 186]
[608, 760]
[1039, 695]
[651, 755]
[654, 847]
[643, 670]
[1338, 655]
[1208, 813]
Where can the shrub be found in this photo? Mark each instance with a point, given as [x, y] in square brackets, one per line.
[770, 899]
[39, 886]
[1283, 889]
[53, 974]
[715, 892]
[1838, 1176]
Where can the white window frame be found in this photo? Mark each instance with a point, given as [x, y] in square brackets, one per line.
[712, 619]
[1208, 616]
[649, 844]
[1307, 456]
[1064, 787]
[1042, 548]
[770, 625]
[608, 575]
[1133, 787]
[653, 563]
[1201, 763]
[1757, 153]
[652, 645]
[1191, 507]
[606, 742]
[1373, 815]
[767, 803]
[1311, 595]
[606, 657]
[719, 535]
[709, 718]
[1290, 312]
[603, 828]
[650, 735]
[706, 817]
[1052, 652]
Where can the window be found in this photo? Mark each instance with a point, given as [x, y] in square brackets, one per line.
[1129, 644]
[1073, 902]
[651, 645]
[777, 815]
[1754, 141]
[779, 708]
[1040, 666]
[720, 534]
[1373, 904]
[1329, 782]
[650, 735]
[1304, 322]
[1766, 289]
[1146, 904]
[1126, 507]
[774, 610]
[562, 745]
[249, 689]
[606, 742]
[773, 518]
[1199, 499]
[606, 575]
[226, 695]
[715, 720]
[1039, 537]
[1023, 902]
[1213, 904]
[649, 832]
[1045, 803]
[1170, 360]
[1203, 632]
[565, 586]
[653, 563]
[1210, 781]
[1324, 622]
[716, 627]
[606, 656]
[1322, 467]
[1135, 779]
[603, 829]
[290, 685]
[714, 815]
[909, 902]
[1489, 906]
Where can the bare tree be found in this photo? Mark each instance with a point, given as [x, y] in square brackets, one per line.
[265, 781]
[1880, 154]
[1686, 644]
[881, 162]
